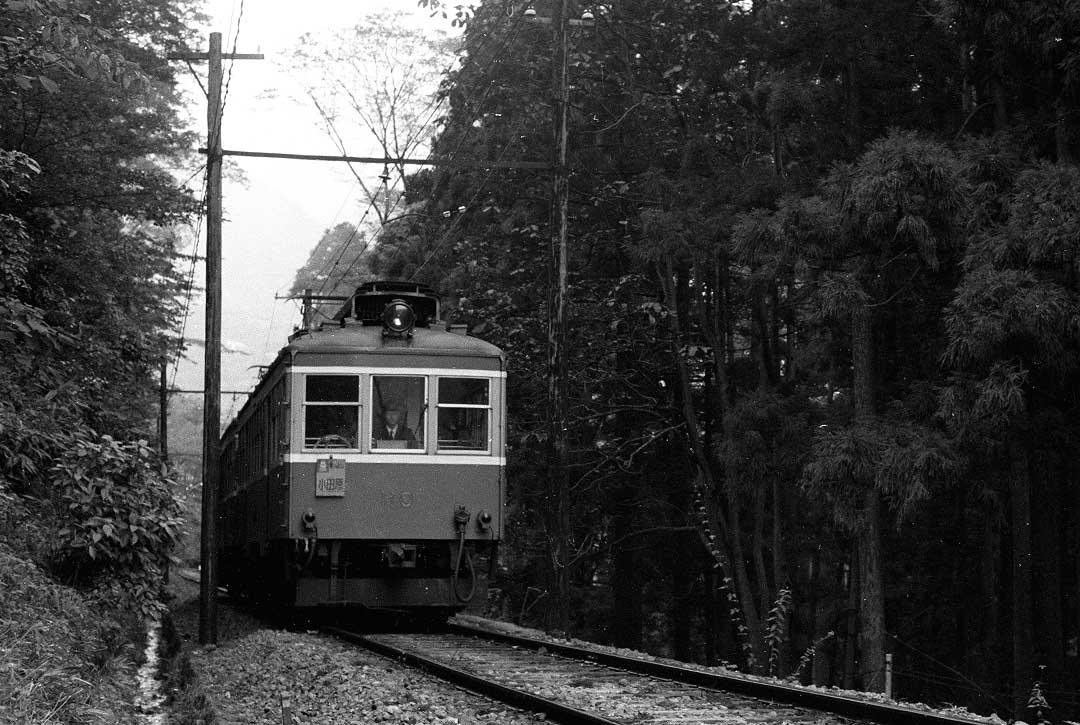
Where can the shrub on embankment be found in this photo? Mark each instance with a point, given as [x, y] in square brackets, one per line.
[66, 655]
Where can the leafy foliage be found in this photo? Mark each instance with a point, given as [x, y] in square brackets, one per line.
[745, 180]
[777, 628]
[118, 516]
[89, 134]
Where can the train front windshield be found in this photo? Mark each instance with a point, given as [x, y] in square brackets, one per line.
[397, 412]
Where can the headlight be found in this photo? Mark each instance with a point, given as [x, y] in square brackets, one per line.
[398, 317]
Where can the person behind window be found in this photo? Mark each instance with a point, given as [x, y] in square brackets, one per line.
[393, 426]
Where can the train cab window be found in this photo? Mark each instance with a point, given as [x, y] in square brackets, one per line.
[398, 404]
[464, 415]
[331, 411]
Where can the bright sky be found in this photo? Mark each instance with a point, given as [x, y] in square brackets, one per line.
[279, 212]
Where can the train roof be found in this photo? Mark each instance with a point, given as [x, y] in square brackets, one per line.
[355, 329]
[355, 337]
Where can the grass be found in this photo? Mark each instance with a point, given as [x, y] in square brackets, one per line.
[63, 657]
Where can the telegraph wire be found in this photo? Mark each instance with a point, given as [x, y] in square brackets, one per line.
[433, 107]
[498, 56]
[479, 189]
[334, 223]
[471, 104]
[232, 62]
[191, 275]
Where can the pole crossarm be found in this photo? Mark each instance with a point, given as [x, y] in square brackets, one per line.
[222, 56]
[386, 160]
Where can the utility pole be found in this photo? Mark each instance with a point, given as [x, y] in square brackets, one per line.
[211, 466]
[557, 384]
[559, 218]
[558, 476]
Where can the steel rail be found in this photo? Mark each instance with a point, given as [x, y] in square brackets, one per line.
[886, 713]
[508, 695]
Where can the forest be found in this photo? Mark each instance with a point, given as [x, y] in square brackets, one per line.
[821, 333]
[821, 330]
[91, 282]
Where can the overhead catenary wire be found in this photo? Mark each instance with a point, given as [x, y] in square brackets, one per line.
[433, 106]
[494, 58]
[431, 109]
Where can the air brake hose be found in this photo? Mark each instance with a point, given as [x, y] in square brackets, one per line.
[461, 519]
[310, 544]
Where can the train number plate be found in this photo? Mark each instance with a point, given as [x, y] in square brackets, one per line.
[330, 477]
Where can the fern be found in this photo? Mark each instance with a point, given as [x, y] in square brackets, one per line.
[808, 656]
[1037, 701]
[776, 633]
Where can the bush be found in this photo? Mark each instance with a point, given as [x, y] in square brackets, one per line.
[118, 519]
[29, 441]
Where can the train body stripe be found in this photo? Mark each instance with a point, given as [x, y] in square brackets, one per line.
[413, 458]
[368, 369]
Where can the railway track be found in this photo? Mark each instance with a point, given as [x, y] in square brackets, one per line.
[584, 687]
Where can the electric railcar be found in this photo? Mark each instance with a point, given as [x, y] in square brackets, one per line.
[368, 466]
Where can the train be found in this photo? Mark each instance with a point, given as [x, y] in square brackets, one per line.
[367, 469]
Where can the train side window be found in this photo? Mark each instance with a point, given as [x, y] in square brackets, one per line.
[331, 411]
[464, 415]
[397, 412]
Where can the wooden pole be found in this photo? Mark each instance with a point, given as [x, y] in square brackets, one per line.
[212, 359]
[557, 383]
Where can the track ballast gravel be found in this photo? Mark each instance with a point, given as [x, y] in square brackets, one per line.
[258, 675]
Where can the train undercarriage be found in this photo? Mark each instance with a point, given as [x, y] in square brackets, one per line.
[430, 577]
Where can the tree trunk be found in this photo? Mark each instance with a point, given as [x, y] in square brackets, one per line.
[872, 597]
[712, 622]
[1074, 678]
[1047, 560]
[780, 579]
[1022, 626]
[682, 609]
[558, 619]
[765, 594]
[991, 656]
[733, 568]
[1047, 571]
[626, 585]
[851, 627]
[760, 343]
[1001, 112]
[751, 617]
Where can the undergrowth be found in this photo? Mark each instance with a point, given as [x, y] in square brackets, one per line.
[64, 657]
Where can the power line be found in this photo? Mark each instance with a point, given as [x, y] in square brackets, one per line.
[434, 104]
[232, 62]
[446, 236]
[191, 277]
